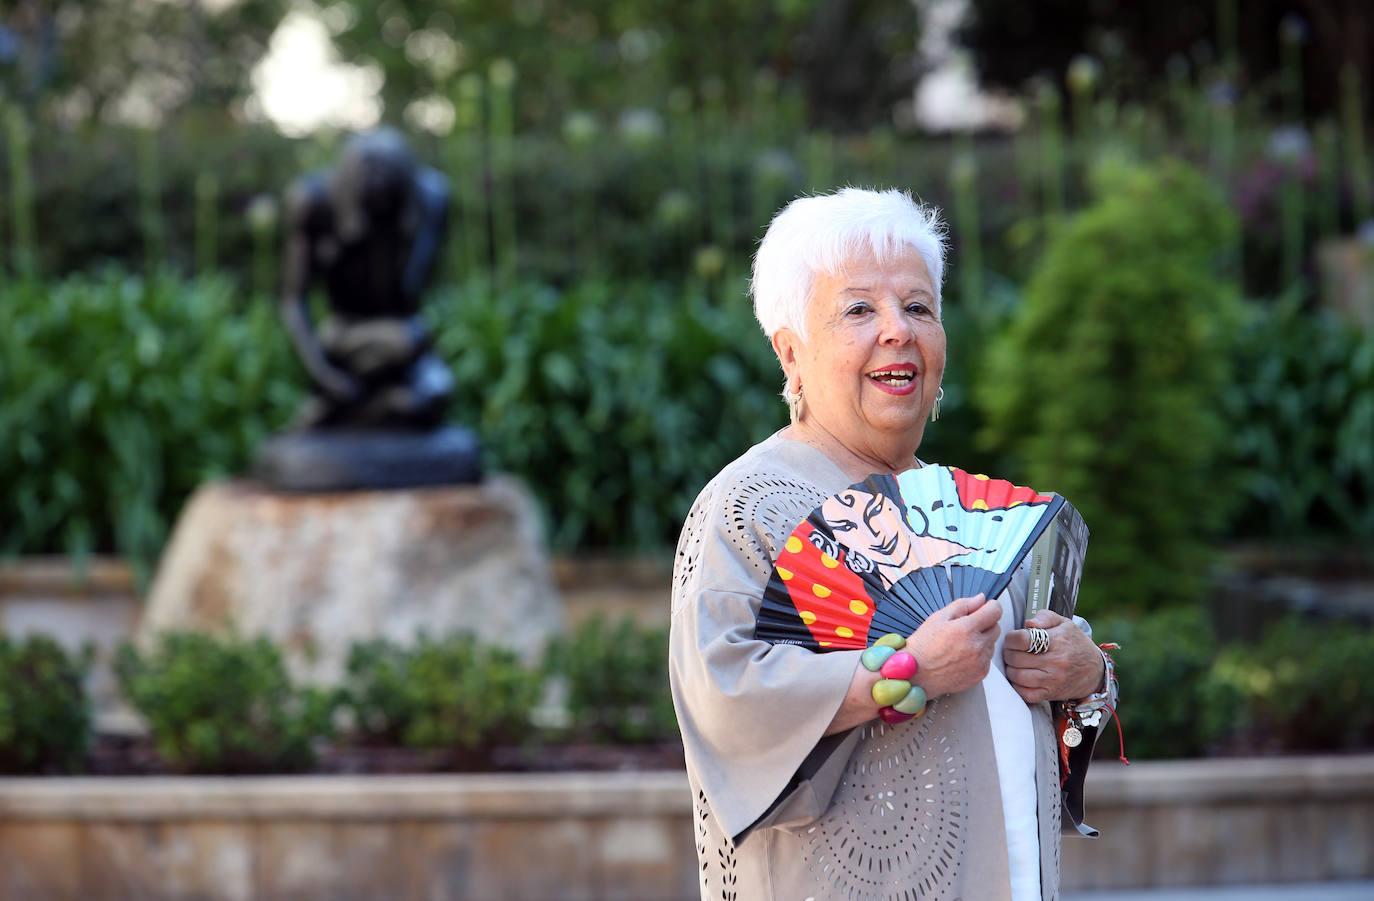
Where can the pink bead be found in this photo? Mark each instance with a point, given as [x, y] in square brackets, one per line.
[892, 717]
[900, 665]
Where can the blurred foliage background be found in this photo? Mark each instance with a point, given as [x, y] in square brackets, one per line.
[1160, 302]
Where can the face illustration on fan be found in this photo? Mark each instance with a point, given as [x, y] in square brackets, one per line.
[884, 554]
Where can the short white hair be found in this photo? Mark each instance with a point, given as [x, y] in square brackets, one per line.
[813, 235]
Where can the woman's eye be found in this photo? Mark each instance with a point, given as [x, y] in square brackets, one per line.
[857, 309]
[918, 309]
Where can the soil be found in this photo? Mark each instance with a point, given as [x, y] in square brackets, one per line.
[136, 756]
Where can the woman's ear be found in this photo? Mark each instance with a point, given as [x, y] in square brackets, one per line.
[787, 346]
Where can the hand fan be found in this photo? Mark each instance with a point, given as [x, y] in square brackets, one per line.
[885, 553]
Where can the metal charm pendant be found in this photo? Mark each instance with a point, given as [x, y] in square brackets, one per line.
[1072, 737]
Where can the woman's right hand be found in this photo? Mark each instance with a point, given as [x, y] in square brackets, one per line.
[954, 645]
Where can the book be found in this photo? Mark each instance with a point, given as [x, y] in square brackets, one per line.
[1056, 564]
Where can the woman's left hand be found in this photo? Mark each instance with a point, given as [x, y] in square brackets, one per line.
[1071, 668]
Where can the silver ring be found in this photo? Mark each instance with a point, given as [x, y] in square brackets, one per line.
[1039, 640]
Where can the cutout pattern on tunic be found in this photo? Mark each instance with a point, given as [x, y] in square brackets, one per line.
[688, 551]
[894, 828]
[757, 517]
[722, 864]
[1049, 763]
[767, 510]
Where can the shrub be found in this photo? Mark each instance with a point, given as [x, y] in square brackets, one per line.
[1105, 386]
[1305, 686]
[224, 705]
[45, 716]
[617, 681]
[1163, 666]
[121, 395]
[449, 693]
[616, 401]
[1301, 408]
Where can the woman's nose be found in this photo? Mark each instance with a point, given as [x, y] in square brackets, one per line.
[894, 326]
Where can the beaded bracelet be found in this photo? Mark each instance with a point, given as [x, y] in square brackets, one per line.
[897, 699]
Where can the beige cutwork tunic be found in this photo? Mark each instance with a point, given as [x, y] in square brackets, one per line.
[878, 813]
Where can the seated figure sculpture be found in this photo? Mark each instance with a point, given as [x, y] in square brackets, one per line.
[368, 230]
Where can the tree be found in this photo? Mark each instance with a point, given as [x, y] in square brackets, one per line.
[142, 59]
[1106, 386]
[849, 59]
[1012, 41]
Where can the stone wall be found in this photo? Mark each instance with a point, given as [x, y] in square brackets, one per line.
[96, 604]
[589, 837]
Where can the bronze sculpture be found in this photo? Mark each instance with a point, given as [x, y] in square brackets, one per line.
[369, 231]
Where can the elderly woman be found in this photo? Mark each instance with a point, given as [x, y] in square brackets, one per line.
[800, 791]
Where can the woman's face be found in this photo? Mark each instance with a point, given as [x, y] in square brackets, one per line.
[875, 353]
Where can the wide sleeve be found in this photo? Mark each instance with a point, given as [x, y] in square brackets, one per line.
[752, 714]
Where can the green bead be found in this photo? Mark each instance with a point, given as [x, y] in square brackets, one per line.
[914, 703]
[874, 658]
[887, 692]
[890, 640]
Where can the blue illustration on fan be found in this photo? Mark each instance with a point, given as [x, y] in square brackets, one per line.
[937, 533]
[936, 506]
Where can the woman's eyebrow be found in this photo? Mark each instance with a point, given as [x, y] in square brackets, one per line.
[865, 290]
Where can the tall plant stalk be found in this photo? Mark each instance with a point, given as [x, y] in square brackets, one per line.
[718, 191]
[207, 223]
[1326, 140]
[263, 222]
[964, 177]
[820, 161]
[150, 200]
[1227, 23]
[1223, 112]
[21, 193]
[1352, 123]
[501, 98]
[1051, 152]
[1082, 80]
[467, 166]
[1291, 199]
[686, 151]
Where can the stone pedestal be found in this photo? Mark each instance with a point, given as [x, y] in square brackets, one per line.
[315, 572]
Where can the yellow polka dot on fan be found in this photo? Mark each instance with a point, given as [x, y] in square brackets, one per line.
[784, 574]
[844, 631]
[793, 545]
[980, 504]
[826, 644]
[859, 607]
[820, 591]
[829, 561]
[808, 617]
[981, 477]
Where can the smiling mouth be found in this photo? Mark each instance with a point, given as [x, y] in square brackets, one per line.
[896, 378]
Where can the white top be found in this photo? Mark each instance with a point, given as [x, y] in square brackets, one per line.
[1013, 743]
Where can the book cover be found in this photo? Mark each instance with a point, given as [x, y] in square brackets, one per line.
[1056, 564]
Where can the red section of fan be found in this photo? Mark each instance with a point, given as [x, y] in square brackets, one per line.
[979, 492]
[829, 598]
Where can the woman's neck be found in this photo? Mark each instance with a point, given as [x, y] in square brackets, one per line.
[856, 462]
